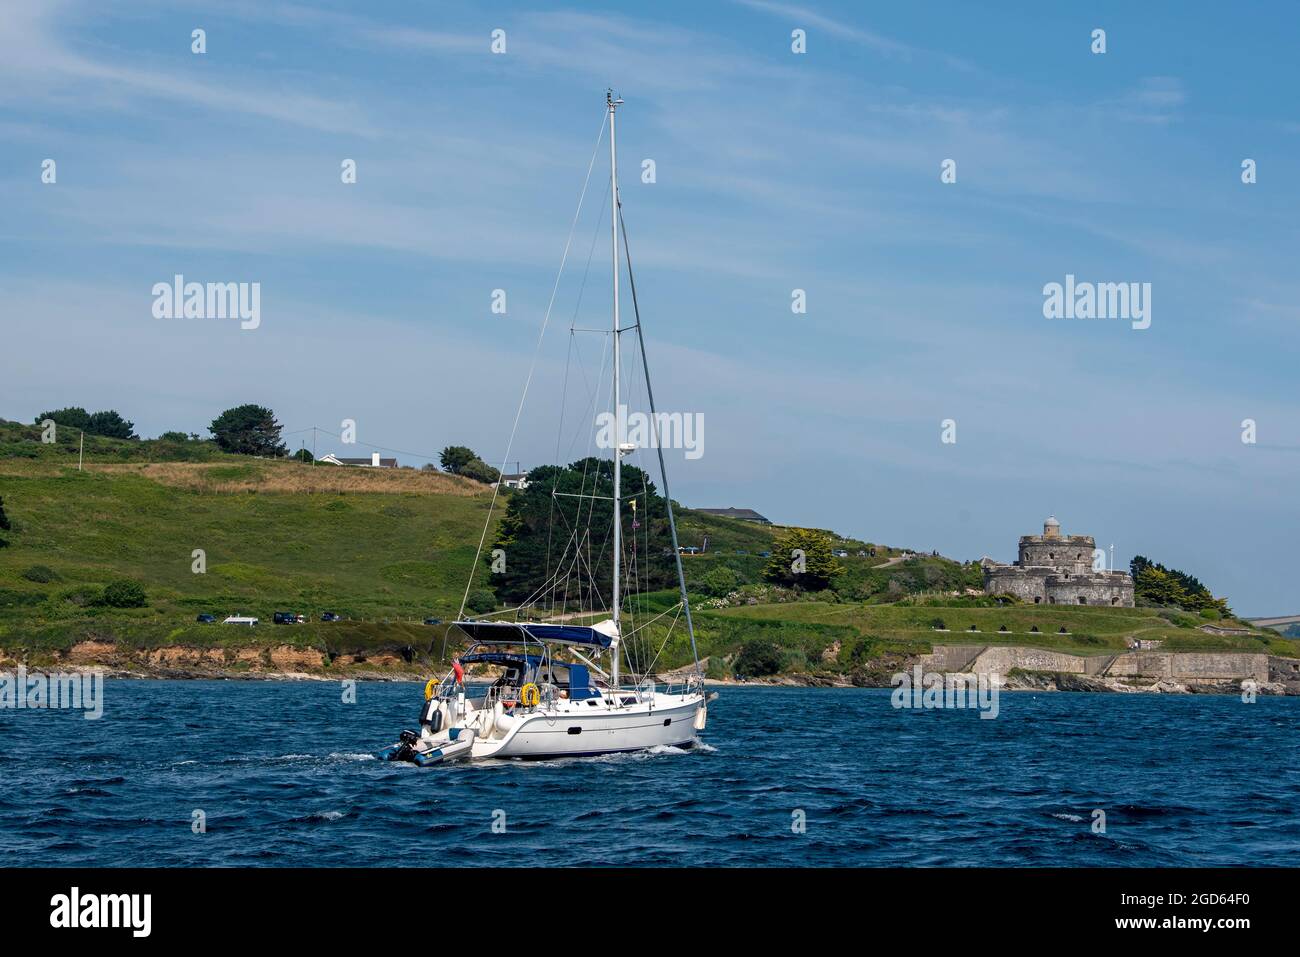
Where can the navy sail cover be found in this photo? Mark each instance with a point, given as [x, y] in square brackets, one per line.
[521, 632]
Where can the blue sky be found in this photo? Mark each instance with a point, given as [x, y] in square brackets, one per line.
[775, 171]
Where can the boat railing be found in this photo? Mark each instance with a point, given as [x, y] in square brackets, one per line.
[511, 695]
[447, 687]
[692, 683]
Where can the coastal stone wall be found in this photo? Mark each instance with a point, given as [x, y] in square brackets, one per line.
[1000, 660]
[1187, 667]
[951, 657]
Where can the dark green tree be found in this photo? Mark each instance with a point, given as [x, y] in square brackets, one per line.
[248, 430]
[4, 523]
[111, 425]
[124, 593]
[719, 582]
[480, 471]
[107, 423]
[302, 455]
[758, 657]
[1154, 584]
[481, 601]
[812, 570]
[557, 536]
[456, 457]
[73, 417]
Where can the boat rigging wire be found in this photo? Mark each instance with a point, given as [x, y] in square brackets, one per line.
[654, 419]
[487, 523]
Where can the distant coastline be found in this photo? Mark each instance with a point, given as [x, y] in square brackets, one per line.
[1171, 673]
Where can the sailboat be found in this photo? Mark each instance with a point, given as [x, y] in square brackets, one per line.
[560, 689]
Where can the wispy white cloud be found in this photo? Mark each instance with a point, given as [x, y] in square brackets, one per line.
[38, 64]
[1156, 99]
[800, 16]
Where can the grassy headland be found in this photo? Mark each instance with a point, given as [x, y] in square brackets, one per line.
[386, 549]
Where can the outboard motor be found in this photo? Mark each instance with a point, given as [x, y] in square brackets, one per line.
[405, 747]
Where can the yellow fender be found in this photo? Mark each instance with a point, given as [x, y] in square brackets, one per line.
[428, 688]
[530, 696]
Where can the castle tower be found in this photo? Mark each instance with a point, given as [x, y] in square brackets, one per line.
[1051, 527]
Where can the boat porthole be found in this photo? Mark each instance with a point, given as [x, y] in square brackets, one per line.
[667, 722]
[575, 731]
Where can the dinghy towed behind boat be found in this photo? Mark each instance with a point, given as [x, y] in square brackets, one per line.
[559, 691]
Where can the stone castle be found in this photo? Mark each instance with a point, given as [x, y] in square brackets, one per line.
[1056, 569]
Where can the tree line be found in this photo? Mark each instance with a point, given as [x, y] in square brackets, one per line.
[248, 429]
[1154, 584]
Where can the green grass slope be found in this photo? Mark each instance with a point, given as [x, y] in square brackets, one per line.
[387, 548]
[277, 535]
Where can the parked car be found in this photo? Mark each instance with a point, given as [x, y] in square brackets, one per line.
[433, 621]
[248, 620]
[329, 616]
[206, 619]
[285, 618]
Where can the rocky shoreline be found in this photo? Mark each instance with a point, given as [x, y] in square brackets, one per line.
[1270, 676]
[1031, 681]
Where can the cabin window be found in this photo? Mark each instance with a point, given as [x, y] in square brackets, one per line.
[667, 722]
[575, 731]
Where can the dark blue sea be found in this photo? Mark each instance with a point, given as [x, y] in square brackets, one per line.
[284, 775]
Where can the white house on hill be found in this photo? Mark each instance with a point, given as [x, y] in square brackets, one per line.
[374, 462]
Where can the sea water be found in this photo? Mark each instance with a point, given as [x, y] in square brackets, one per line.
[277, 773]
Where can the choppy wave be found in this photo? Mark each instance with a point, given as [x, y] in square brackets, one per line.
[280, 774]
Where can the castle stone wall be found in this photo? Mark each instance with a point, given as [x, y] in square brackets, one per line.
[1114, 589]
[1028, 585]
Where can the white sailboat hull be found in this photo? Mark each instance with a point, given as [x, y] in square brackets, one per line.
[573, 732]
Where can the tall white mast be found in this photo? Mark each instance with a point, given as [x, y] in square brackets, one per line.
[613, 104]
